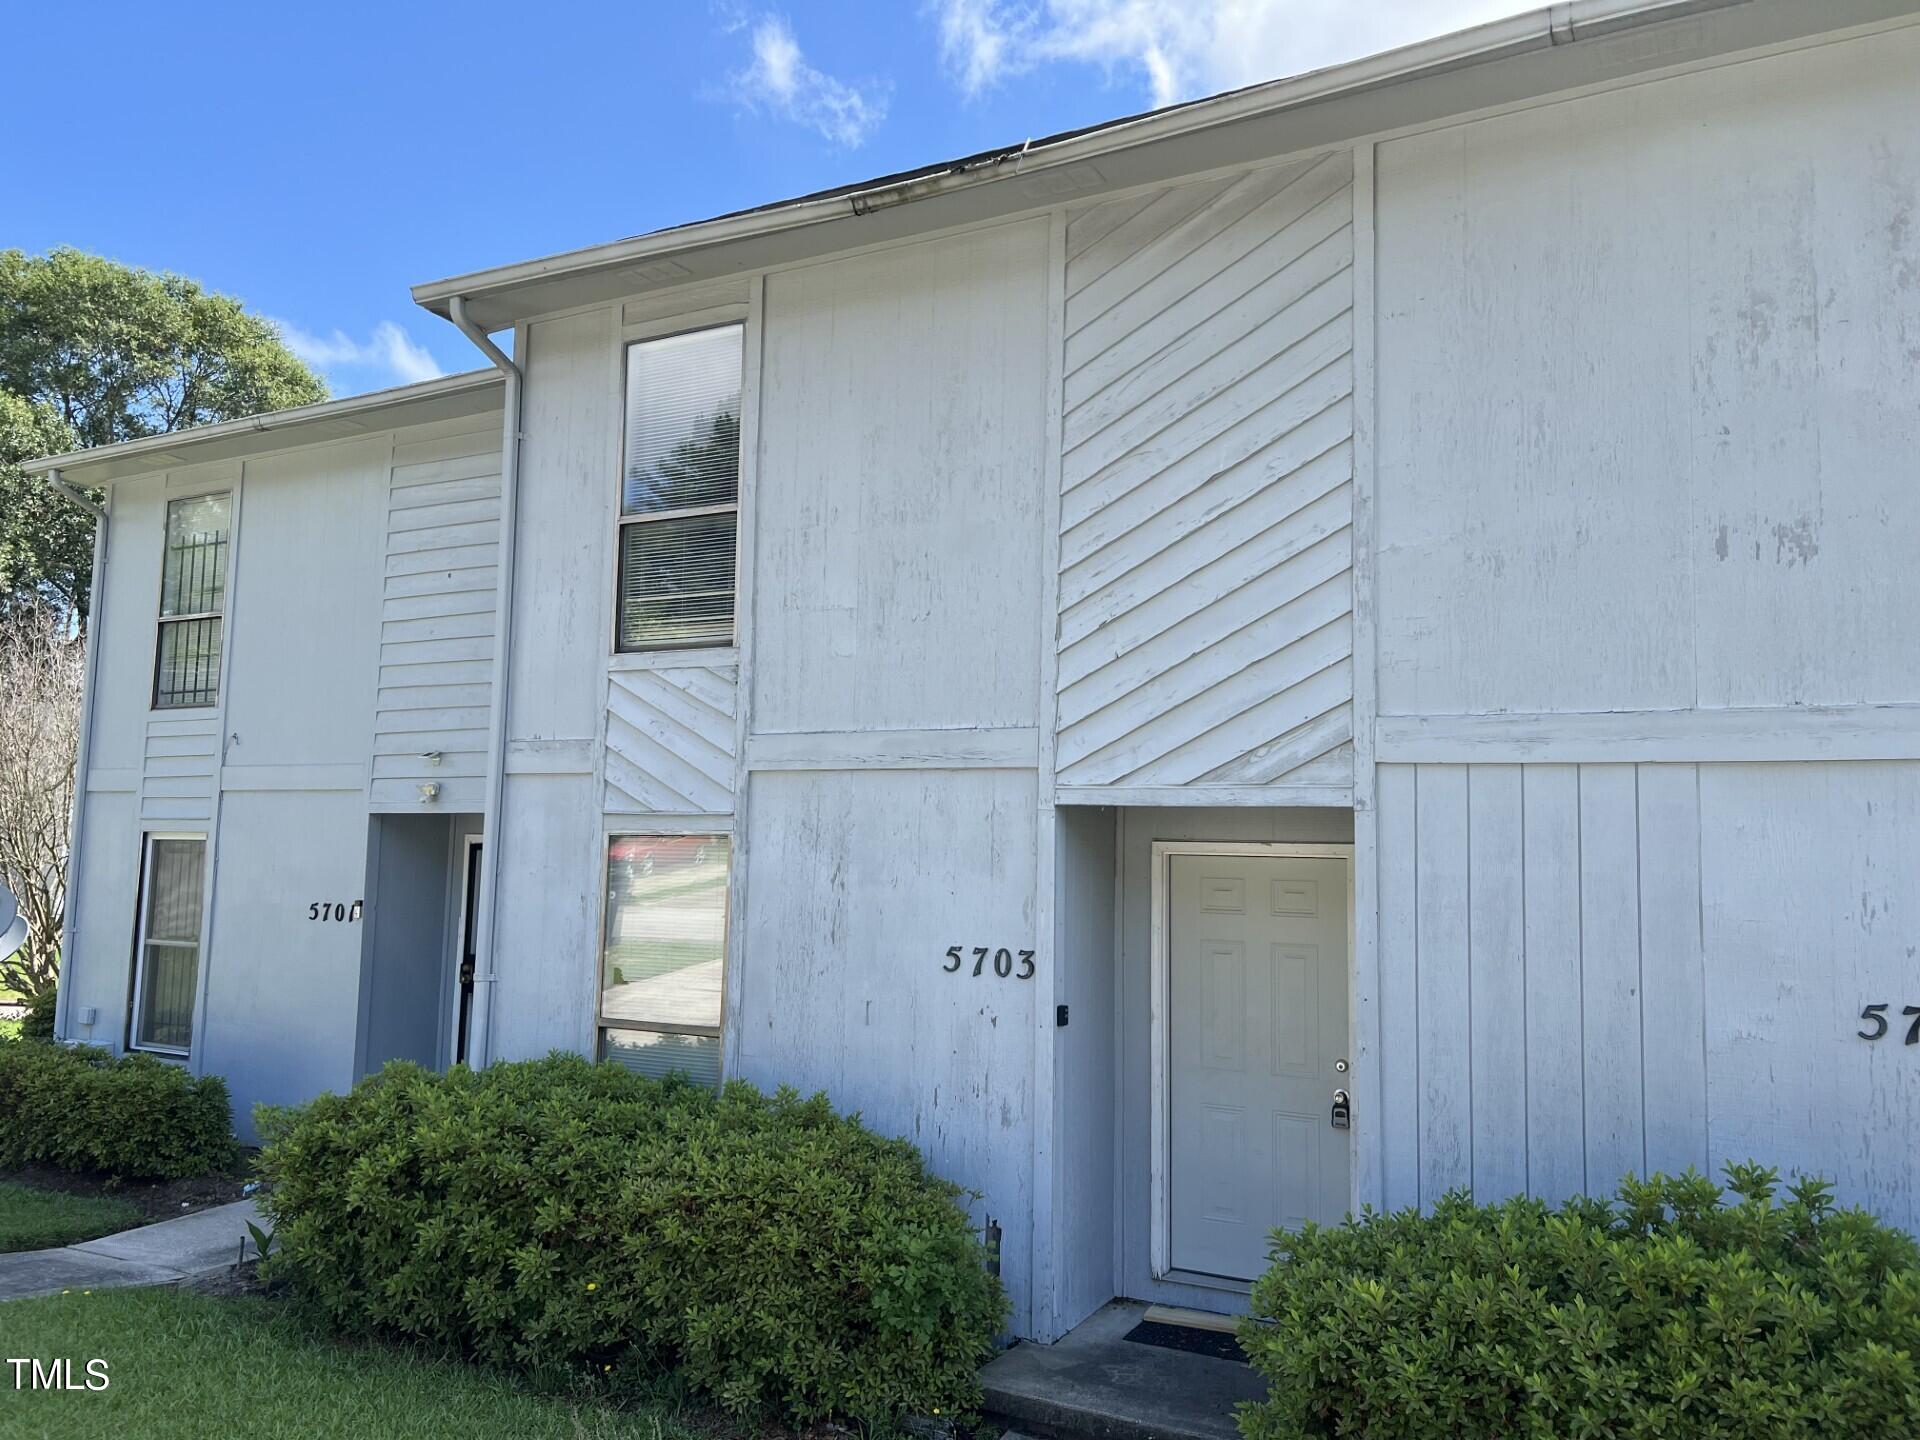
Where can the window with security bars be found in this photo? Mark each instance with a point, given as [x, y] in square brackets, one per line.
[664, 954]
[193, 598]
[166, 961]
[680, 490]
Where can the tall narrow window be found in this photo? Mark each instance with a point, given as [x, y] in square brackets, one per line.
[193, 599]
[166, 965]
[665, 949]
[680, 490]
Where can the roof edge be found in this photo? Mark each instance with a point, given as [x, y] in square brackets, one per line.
[468, 383]
[1543, 28]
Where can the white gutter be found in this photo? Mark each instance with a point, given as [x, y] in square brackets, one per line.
[480, 1052]
[1537, 30]
[354, 408]
[70, 914]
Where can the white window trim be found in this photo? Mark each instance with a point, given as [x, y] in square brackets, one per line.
[141, 941]
[694, 323]
[229, 489]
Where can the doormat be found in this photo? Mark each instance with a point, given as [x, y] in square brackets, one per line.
[1216, 1344]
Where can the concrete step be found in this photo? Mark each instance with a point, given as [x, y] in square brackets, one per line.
[1094, 1384]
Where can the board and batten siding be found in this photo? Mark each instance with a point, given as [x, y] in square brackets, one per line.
[437, 617]
[1206, 632]
[1592, 970]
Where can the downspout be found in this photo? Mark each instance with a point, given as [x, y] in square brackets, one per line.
[480, 1052]
[70, 912]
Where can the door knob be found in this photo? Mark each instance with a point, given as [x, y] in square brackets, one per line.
[1342, 1117]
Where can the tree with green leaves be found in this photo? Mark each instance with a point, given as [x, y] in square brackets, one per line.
[93, 352]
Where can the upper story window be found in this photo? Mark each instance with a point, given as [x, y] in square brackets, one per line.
[680, 490]
[193, 600]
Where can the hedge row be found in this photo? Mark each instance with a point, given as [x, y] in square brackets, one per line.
[783, 1259]
[135, 1117]
[1672, 1314]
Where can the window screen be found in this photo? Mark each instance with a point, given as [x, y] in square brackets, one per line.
[193, 600]
[680, 490]
[167, 963]
[664, 953]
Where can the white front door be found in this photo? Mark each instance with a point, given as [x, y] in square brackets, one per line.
[1257, 1036]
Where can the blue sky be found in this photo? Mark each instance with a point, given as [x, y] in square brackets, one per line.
[317, 160]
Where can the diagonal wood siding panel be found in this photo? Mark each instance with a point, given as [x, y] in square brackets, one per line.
[1206, 583]
[437, 617]
[670, 740]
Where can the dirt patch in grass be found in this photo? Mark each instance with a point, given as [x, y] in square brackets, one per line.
[155, 1199]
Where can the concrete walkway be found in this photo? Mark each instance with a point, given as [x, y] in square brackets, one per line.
[203, 1243]
[1095, 1384]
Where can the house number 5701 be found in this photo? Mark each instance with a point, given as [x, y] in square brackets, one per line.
[1003, 961]
[333, 910]
[1876, 1016]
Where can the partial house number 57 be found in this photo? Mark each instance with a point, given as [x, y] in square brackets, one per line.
[1003, 961]
[1876, 1015]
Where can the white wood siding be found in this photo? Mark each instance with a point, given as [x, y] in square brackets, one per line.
[1648, 400]
[1205, 586]
[437, 616]
[898, 554]
[1599, 969]
[178, 777]
[671, 740]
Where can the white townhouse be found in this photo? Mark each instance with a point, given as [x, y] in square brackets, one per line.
[1352, 638]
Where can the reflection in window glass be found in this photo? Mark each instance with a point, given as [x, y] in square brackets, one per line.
[680, 490]
[664, 951]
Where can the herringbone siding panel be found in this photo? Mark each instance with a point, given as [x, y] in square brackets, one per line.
[1206, 628]
[670, 741]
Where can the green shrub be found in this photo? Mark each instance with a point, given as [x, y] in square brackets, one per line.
[1674, 1313]
[785, 1260]
[37, 1023]
[135, 1117]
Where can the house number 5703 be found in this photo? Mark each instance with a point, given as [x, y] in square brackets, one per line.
[1003, 960]
[1876, 1016]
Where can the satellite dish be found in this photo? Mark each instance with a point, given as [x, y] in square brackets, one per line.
[13, 938]
[13, 925]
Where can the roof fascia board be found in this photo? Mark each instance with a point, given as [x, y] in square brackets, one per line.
[448, 398]
[1507, 62]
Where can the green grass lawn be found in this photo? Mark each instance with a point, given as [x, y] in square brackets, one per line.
[9, 1029]
[187, 1365]
[33, 1219]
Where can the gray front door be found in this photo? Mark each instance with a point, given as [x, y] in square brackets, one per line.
[1257, 1015]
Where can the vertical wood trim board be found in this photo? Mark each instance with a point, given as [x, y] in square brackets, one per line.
[1542, 969]
[1205, 549]
[437, 618]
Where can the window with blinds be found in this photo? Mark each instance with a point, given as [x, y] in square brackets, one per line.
[166, 961]
[680, 490]
[664, 954]
[193, 599]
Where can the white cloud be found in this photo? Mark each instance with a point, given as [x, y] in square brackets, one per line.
[1186, 48]
[387, 357]
[779, 81]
